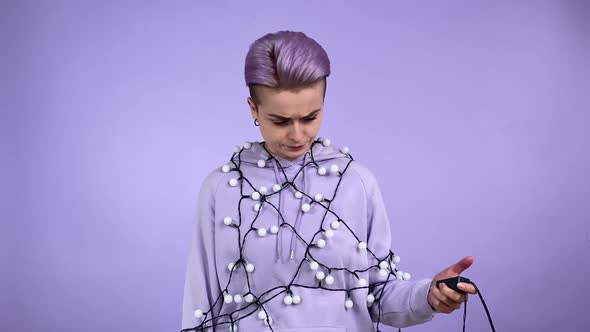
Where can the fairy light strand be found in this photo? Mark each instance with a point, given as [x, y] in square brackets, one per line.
[256, 304]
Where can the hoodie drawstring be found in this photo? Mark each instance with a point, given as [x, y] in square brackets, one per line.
[296, 226]
[299, 214]
[279, 239]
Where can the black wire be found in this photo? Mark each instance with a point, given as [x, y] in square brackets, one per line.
[259, 302]
[485, 307]
[464, 313]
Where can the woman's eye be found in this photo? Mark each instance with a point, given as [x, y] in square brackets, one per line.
[284, 123]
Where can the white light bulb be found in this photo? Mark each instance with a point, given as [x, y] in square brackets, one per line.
[198, 313]
[268, 321]
[329, 280]
[362, 282]
[274, 229]
[334, 169]
[305, 207]
[288, 300]
[348, 304]
[249, 267]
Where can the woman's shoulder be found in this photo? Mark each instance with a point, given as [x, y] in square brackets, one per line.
[331, 153]
[364, 174]
[217, 176]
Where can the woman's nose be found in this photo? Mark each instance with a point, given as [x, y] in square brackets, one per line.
[296, 132]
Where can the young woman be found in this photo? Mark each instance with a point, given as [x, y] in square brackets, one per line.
[292, 233]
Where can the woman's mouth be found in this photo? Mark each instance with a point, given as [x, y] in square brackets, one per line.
[294, 147]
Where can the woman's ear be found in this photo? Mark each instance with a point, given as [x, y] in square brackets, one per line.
[253, 109]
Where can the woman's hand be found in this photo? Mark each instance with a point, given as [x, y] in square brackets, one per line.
[442, 298]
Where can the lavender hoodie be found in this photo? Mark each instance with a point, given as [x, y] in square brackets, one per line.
[268, 252]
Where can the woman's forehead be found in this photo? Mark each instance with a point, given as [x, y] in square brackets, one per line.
[291, 109]
[292, 102]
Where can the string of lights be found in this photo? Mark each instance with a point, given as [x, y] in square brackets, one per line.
[323, 278]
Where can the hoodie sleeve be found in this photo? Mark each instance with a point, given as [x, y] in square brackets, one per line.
[403, 303]
[201, 287]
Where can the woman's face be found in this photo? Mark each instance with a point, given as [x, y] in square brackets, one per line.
[289, 119]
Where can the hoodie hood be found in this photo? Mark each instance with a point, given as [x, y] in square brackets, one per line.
[292, 172]
[321, 149]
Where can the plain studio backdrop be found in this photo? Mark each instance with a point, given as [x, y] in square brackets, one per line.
[473, 115]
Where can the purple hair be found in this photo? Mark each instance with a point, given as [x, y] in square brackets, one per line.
[285, 60]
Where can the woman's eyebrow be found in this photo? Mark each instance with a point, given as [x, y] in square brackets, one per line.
[278, 117]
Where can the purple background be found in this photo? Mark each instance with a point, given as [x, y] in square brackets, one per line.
[473, 116]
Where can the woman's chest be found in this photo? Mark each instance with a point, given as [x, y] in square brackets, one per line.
[306, 231]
